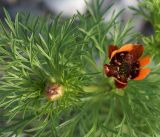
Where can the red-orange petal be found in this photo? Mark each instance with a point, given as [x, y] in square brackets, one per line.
[120, 84]
[135, 49]
[111, 48]
[110, 70]
[106, 69]
[142, 73]
[144, 61]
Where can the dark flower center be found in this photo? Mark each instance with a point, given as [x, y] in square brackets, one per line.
[134, 70]
[125, 66]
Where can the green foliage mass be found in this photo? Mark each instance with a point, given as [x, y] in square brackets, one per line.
[72, 53]
[150, 10]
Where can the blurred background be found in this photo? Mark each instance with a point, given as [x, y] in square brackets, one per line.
[70, 7]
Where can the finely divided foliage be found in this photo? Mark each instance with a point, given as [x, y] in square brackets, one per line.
[35, 53]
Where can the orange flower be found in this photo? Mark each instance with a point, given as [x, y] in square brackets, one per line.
[125, 63]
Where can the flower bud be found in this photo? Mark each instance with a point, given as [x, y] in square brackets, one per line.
[53, 91]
